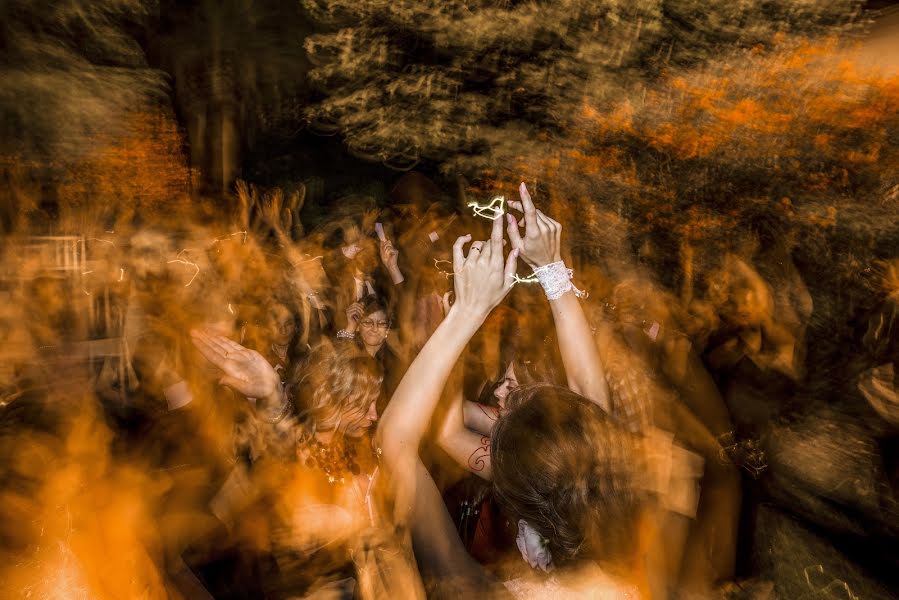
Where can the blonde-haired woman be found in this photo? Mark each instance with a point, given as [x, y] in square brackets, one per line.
[318, 470]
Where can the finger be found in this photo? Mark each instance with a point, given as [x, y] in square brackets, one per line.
[232, 346]
[554, 227]
[543, 224]
[530, 211]
[214, 341]
[232, 382]
[477, 249]
[511, 267]
[544, 220]
[553, 222]
[517, 206]
[211, 353]
[512, 230]
[458, 255]
[496, 243]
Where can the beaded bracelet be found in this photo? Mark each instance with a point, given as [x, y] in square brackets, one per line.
[347, 335]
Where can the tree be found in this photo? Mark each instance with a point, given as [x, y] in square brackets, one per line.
[471, 83]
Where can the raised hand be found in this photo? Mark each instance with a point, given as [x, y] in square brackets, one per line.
[390, 258]
[354, 314]
[245, 370]
[482, 279]
[540, 245]
[389, 254]
[273, 212]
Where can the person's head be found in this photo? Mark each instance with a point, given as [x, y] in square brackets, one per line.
[281, 324]
[517, 372]
[376, 321]
[496, 392]
[338, 390]
[564, 466]
[508, 383]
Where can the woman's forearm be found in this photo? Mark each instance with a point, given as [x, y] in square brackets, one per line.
[478, 417]
[406, 418]
[580, 356]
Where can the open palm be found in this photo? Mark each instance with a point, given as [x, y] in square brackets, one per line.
[245, 370]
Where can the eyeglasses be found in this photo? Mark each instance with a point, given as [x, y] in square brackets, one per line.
[369, 324]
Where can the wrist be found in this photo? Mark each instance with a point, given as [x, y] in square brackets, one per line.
[273, 399]
[396, 275]
[555, 279]
[542, 263]
[465, 318]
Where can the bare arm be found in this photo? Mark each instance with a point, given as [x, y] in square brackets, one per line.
[478, 417]
[470, 449]
[482, 280]
[540, 245]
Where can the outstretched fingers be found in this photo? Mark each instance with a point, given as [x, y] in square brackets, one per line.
[212, 353]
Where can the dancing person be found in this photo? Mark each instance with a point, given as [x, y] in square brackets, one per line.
[540, 248]
[612, 494]
[324, 502]
[372, 319]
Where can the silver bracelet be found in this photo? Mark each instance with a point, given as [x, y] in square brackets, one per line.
[555, 278]
[347, 335]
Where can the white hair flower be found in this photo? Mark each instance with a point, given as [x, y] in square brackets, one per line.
[533, 547]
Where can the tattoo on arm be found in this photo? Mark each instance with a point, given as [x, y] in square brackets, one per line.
[478, 459]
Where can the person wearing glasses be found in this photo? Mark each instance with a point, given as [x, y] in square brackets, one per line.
[372, 319]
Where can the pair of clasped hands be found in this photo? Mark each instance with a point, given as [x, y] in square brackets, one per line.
[482, 280]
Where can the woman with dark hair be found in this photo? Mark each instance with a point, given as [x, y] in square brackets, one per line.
[372, 319]
[465, 431]
[558, 458]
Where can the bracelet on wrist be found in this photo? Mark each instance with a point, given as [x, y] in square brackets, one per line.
[277, 418]
[555, 278]
[285, 404]
[347, 335]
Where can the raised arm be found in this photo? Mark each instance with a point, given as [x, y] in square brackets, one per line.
[540, 245]
[482, 280]
[470, 449]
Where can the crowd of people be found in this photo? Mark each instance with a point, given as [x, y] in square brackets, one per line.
[419, 401]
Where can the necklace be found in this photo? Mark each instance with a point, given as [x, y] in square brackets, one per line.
[337, 459]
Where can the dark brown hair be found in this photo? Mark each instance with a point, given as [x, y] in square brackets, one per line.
[562, 464]
[372, 303]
